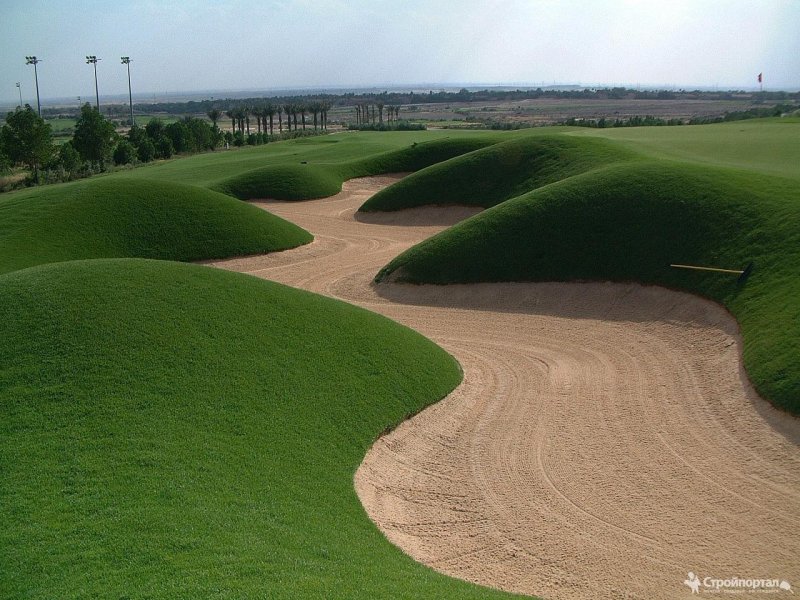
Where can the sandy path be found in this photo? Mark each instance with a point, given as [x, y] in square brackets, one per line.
[605, 440]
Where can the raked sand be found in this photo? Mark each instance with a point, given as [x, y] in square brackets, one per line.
[605, 440]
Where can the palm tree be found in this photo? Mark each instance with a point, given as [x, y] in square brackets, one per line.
[231, 114]
[256, 112]
[288, 109]
[246, 112]
[240, 115]
[270, 112]
[295, 110]
[279, 109]
[380, 110]
[302, 110]
[325, 108]
[315, 107]
[214, 115]
[262, 119]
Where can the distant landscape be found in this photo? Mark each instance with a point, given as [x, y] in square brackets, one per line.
[467, 108]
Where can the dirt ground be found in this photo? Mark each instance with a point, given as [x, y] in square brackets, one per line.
[543, 111]
[605, 441]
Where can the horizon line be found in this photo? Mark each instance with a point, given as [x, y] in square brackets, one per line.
[408, 87]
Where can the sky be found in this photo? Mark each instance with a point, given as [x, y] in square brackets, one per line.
[198, 45]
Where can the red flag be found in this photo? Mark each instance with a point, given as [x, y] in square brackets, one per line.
[759, 77]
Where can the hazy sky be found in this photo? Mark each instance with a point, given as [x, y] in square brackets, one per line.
[234, 45]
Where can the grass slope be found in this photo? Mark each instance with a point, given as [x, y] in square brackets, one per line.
[629, 222]
[173, 431]
[766, 145]
[303, 180]
[492, 175]
[208, 170]
[122, 217]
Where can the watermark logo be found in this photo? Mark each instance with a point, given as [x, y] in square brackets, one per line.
[693, 581]
[735, 585]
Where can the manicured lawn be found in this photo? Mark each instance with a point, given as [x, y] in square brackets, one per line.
[212, 168]
[767, 145]
[317, 179]
[496, 173]
[123, 217]
[175, 431]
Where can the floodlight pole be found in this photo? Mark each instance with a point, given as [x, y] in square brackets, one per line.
[32, 60]
[92, 59]
[126, 60]
[19, 89]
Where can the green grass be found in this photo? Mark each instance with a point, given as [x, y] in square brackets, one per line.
[119, 217]
[174, 431]
[61, 125]
[282, 182]
[208, 170]
[767, 145]
[303, 180]
[628, 222]
[496, 173]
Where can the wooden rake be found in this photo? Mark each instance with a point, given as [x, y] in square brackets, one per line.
[743, 274]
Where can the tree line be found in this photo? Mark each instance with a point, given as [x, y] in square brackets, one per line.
[264, 116]
[650, 121]
[27, 140]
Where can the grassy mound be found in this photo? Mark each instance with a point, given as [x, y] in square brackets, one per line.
[492, 175]
[420, 155]
[119, 217]
[629, 222]
[305, 180]
[162, 436]
[282, 182]
[208, 170]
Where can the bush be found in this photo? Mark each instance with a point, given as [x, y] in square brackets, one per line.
[146, 150]
[94, 136]
[68, 158]
[154, 129]
[393, 126]
[164, 147]
[5, 162]
[124, 153]
[179, 135]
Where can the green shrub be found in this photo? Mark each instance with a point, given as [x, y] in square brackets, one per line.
[124, 153]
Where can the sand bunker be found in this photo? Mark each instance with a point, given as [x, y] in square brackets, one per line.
[605, 440]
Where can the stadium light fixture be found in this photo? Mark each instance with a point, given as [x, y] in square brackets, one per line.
[92, 60]
[126, 60]
[32, 60]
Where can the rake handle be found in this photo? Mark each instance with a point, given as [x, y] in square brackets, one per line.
[695, 268]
